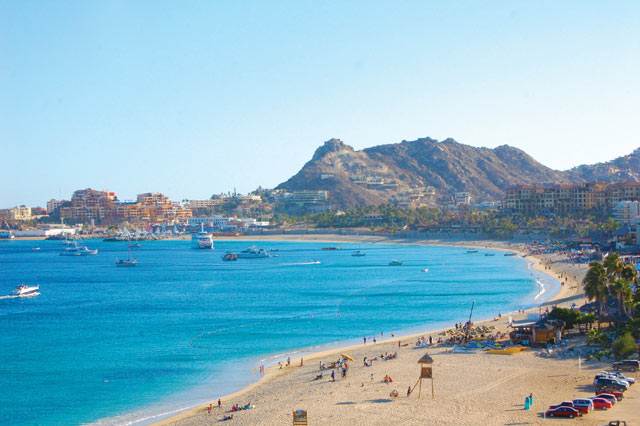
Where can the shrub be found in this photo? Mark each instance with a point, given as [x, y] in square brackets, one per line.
[569, 316]
[624, 346]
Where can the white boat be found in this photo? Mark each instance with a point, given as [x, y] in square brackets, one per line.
[202, 240]
[358, 253]
[24, 290]
[78, 250]
[252, 253]
[425, 270]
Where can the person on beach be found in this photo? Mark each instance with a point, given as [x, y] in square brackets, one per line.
[301, 362]
[408, 391]
[333, 375]
[219, 404]
[374, 340]
[210, 408]
[288, 361]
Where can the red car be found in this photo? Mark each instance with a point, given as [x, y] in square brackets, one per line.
[601, 403]
[619, 395]
[562, 404]
[608, 396]
[563, 412]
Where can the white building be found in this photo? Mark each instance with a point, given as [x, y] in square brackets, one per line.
[626, 212]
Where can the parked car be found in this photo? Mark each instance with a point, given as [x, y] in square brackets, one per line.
[563, 412]
[632, 365]
[620, 376]
[618, 393]
[617, 423]
[601, 403]
[583, 404]
[562, 404]
[608, 396]
[601, 380]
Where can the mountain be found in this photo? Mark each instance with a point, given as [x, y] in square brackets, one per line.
[433, 171]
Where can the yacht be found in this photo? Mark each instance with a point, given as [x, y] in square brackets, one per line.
[24, 290]
[202, 240]
[78, 250]
[253, 252]
[357, 253]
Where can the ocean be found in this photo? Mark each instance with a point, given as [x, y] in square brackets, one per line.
[108, 345]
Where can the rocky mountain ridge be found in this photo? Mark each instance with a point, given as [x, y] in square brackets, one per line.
[432, 171]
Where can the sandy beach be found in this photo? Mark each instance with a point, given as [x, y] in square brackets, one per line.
[470, 389]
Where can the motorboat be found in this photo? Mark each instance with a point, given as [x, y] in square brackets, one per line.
[230, 256]
[134, 245]
[395, 263]
[425, 270]
[78, 250]
[510, 253]
[472, 251]
[253, 252]
[24, 290]
[316, 262]
[35, 248]
[489, 254]
[331, 248]
[358, 253]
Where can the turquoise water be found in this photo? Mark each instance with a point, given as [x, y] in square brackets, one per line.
[120, 345]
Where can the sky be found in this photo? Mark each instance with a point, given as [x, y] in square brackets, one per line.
[200, 97]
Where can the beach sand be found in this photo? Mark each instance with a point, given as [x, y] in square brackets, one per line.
[470, 389]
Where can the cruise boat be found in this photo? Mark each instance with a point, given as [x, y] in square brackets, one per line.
[252, 253]
[78, 250]
[357, 253]
[24, 290]
[202, 240]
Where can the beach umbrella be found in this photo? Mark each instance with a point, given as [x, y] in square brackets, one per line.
[345, 356]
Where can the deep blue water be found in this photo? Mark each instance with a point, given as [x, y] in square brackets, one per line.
[115, 345]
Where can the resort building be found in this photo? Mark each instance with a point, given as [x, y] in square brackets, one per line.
[16, 213]
[562, 199]
[103, 207]
[626, 212]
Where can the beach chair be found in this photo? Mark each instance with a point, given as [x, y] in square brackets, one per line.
[300, 418]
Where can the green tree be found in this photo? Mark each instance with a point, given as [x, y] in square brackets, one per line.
[624, 346]
[595, 286]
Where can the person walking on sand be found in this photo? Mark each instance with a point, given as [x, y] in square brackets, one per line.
[210, 408]
[365, 340]
[219, 404]
[333, 375]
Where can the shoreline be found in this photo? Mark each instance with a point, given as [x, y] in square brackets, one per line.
[564, 294]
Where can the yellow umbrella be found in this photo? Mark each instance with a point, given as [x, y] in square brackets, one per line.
[346, 357]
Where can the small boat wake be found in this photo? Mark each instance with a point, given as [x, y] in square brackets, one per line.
[315, 262]
[9, 296]
[542, 290]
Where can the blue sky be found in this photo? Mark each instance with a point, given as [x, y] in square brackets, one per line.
[198, 97]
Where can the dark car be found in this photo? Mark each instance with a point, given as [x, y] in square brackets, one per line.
[618, 393]
[627, 365]
[614, 387]
[563, 412]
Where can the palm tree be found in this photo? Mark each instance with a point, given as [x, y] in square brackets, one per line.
[595, 286]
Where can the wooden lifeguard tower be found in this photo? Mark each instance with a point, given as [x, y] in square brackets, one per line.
[426, 372]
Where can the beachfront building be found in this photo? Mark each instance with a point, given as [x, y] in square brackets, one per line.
[461, 198]
[536, 332]
[593, 197]
[626, 212]
[309, 200]
[103, 207]
[18, 213]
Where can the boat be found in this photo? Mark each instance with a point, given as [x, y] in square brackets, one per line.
[316, 262]
[425, 270]
[510, 253]
[252, 253]
[24, 290]
[202, 240]
[129, 261]
[395, 263]
[7, 235]
[230, 256]
[331, 248]
[472, 251]
[35, 248]
[509, 350]
[489, 254]
[78, 250]
[134, 245]
[358, 253]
